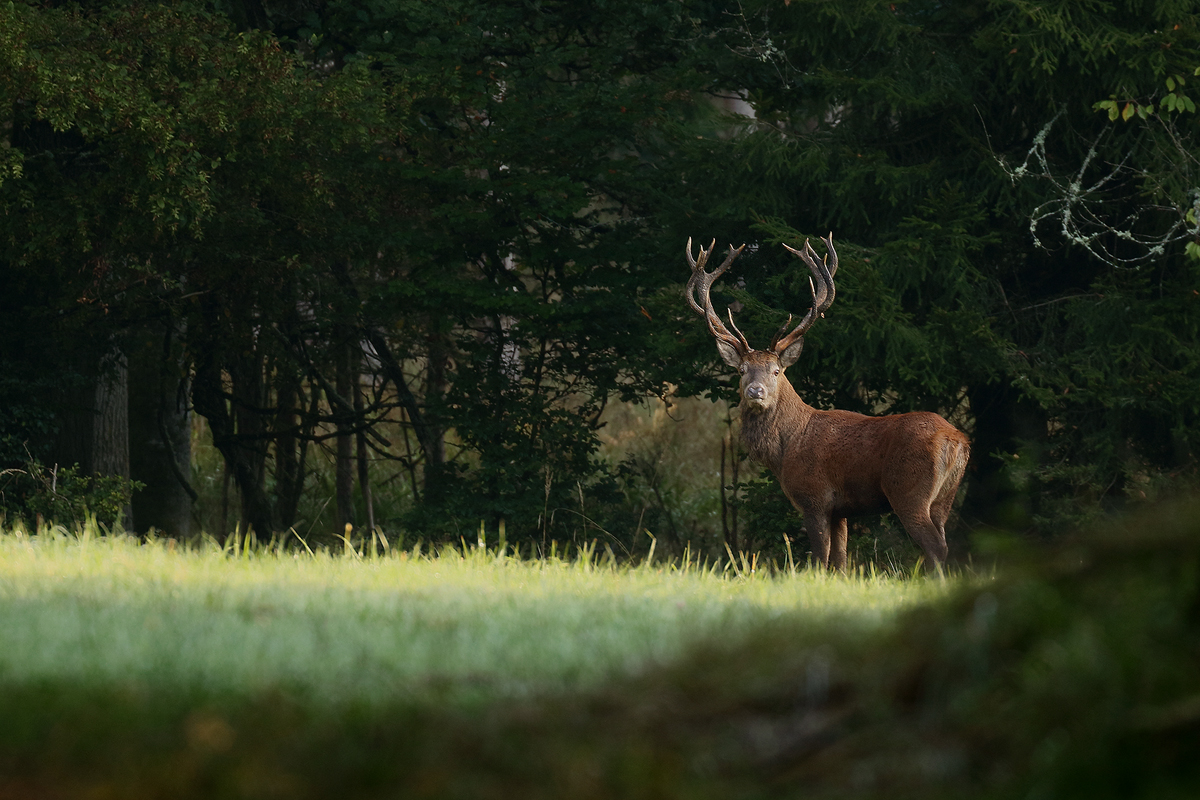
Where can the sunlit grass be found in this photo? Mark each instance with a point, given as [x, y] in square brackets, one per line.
[344, 627]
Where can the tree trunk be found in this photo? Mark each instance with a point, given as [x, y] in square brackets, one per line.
[429, 432]
[364, 477]
[251, 444]
[435, 390]
[94, 424]
[110, 436]
[238, 437]
[344, 467]
[290, 449]
[160, 435]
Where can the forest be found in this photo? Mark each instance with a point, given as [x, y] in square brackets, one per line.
[357, 439]
[338, 266]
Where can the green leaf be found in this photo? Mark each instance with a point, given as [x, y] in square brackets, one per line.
[1107, 105]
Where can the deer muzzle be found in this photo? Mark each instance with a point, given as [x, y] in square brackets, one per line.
[755, 394]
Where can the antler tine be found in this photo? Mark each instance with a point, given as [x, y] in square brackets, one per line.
[830, 255]
[779, 333]
[741, 337]
[701, 282]
[823, 290]
[697, 264]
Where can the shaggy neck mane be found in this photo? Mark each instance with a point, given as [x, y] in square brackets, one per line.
[765, 432]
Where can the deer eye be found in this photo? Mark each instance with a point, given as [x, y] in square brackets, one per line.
[776, 372]
[742, 369]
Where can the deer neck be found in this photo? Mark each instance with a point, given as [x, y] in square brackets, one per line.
[766, 432]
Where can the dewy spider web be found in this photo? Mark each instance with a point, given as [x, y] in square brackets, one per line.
[1082, 206]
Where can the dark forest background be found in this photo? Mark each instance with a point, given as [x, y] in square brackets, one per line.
[426, 247]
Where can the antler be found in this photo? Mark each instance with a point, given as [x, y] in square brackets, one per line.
[703, 281]
[822, 292]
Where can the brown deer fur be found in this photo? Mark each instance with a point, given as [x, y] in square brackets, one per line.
[836, 464]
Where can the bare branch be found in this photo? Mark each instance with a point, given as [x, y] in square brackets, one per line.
[1083, 210]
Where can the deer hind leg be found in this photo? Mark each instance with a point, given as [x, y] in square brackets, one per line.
[939, 511]
[923, 506]
[926, 533]
[926, 530]
[943, 501]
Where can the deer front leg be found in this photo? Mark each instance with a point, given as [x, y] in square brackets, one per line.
[840, 534]
[817, 525]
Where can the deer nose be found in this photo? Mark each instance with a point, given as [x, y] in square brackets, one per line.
[755, 391]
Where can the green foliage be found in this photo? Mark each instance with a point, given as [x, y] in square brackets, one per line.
[507, 268]
[26, 418]
[158, 91]
[770, 517]
[60, 495]
[1174, 101]
[173, 190]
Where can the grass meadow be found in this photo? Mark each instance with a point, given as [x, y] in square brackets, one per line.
[344, 628]
[141, 668]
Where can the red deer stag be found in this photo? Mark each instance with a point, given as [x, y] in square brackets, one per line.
[834, 464]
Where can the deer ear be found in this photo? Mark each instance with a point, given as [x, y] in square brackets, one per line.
[792, 353]
[729, 354]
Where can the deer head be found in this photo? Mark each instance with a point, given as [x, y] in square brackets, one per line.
[760, 370]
